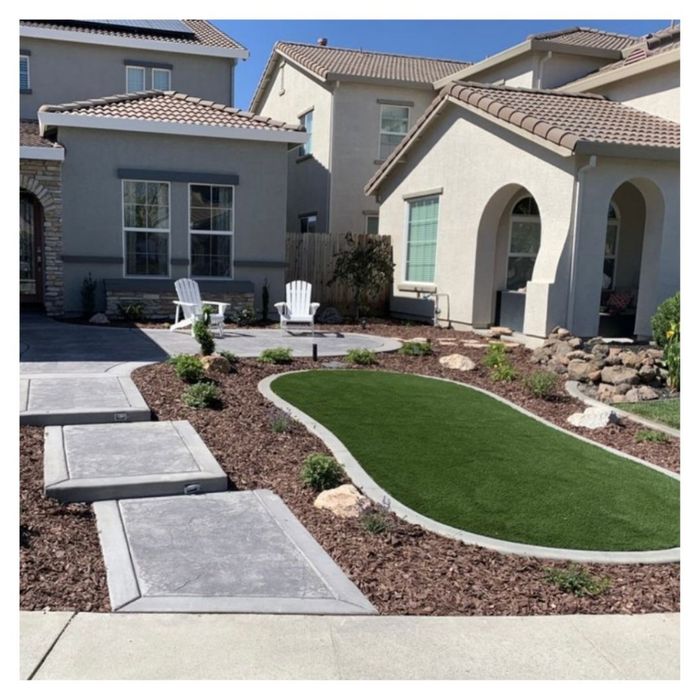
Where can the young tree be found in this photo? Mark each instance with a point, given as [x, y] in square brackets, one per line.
[366, 266]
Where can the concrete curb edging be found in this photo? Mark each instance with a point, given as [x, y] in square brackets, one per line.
[377, 494]
[573, 390]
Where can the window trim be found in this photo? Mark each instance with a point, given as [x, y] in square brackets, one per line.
[168, 71]
[407, 226]
[302, 152]
[26, 90]
[613, 257]
[367, 218]
[522, 218]
[382, 105]
[127, 68]
[125, 274]
[230, 233]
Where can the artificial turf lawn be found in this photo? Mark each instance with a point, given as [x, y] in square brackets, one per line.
[665, 411]
[467, 460]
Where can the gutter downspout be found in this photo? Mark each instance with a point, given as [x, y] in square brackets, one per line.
[592, 163]
[540, 67]
[330, 155]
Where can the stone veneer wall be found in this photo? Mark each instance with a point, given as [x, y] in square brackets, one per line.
[43, 179]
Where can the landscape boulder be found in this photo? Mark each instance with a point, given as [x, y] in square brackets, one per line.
[216, 363]
[579, 370]
[593, 418]
[344, 501]
[457, 361]
[99, 319]
[618, 374]
[641, 393]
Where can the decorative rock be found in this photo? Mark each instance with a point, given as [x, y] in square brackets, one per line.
[345, 501]
[605, 392]
[444, 342]
[497, 331]
[99, 319]
[594, 376]
[509, 344]
[647, 373]
[641, 393]
[561, 347]
[474, 344]
[593, 418]
[654, 353]
[619, 375]
[216, 363]
[579, 370]
[578, 355]
[329, 315]
[417, 339]
[540, 355]
[563, 333]
[557, 367]
[631, 359]
[575, 342]
[457, 361]
[600, 350]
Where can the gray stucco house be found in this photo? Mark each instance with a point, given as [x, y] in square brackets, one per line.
[127, 177]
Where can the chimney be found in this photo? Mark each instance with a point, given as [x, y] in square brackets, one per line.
[322, 41]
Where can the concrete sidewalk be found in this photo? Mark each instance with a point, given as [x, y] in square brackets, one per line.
[176, 646]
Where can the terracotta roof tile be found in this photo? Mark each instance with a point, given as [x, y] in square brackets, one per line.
[205, 34]
[169, 106]
[651, 45]
[29, 135]
[589, 38]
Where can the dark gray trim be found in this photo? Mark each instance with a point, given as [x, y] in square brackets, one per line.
[103, 259]
[179, 261]
[398, 103]
[178, 176]
[307, 156]
[25, 91]
[370, 212]
[259, 263]
[161, 285]
[25, 52]
[147, 64]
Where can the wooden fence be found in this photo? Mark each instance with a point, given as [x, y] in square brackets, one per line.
[311, 257]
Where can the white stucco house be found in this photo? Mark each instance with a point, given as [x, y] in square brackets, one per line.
[522, 202]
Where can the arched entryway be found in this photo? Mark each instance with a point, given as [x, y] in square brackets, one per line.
[31, 249]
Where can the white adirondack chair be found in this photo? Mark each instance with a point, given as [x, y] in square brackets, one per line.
[298, 307]
[191, 305]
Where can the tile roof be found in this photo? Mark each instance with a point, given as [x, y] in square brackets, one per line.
[170, 107]
[564, 119]
[588, 38]
[205, 34]
[29, 135]
[651, 45]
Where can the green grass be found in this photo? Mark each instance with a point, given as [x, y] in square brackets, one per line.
[666, 411]
[470, 461]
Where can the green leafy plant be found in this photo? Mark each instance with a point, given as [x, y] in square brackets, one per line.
[131, 312]
[650, 436]
[321, 472]
[495, 355]
[265, 302]
[375, 522]
[502, 369]
[280, 421]
[667, 313]
[244, 316]
[230, 356]
[541, 384]
[201, 395]
[577, 580]
[361, 356]
[505, 372]
[203, 336]
[276, 356]
[188, 367]
[672, 356]
[88, 291]
[366, 266]
[413, 347]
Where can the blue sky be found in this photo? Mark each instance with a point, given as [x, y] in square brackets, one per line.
[469, 40]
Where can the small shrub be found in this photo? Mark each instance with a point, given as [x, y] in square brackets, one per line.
[672, 356]
[276, 356]
[650, 436]
[87, 295]
[413, 347]
[495, 355]
[280, 421]
[541, 384]
[244, 316]
[577, 580]
[230, 356]
[375, 522]
[668, 313]
[321, 472]
[201, 395]
[505, 372]
[362, 356]
[131, 312]
[188, 367]
[203, 336]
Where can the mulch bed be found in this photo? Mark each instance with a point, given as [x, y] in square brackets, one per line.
[404, 570]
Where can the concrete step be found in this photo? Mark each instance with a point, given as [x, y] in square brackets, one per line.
[99, 462]
[80, 399]
[241, 552]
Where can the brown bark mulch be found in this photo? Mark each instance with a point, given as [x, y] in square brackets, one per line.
[404, 570]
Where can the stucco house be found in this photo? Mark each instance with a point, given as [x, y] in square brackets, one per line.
[356, 106]
[533, 207]
[127, 177]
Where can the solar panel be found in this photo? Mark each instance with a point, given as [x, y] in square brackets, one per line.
[174, 26]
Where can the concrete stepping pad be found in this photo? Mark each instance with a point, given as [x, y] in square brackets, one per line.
[99, 462]
[71, 400]
[239, 552]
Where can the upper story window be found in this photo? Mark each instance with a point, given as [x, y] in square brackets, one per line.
[372, 223]
[135, 78]
[307, 121]
[421, 242]
[160, 79]
[24, 84]
[524, 242]
[393, 127]
[211, 230]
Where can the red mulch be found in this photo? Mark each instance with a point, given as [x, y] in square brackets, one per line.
[404, 570]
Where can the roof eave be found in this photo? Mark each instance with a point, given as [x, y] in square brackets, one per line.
[57, 153]
[352, 78]
[622, 150]
[559, 47]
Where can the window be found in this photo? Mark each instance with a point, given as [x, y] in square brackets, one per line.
[146, 227]
[307, 223]
[421, 239]
[611, 238]
[211, 230]
[524, 243]
[135, 78]
[24, 73]
[307, 121]
[372, 223]
[160, 79]
[393, 127]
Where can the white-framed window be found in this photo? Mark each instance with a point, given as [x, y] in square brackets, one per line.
[393, 126]
[524, 243]
[135, 78]
[307, 223]
[146, 221]
[160, 79]
[421, 239]
[372, 223]
[24, 83]
[211, 230]
[307, 121]
[612, 235]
